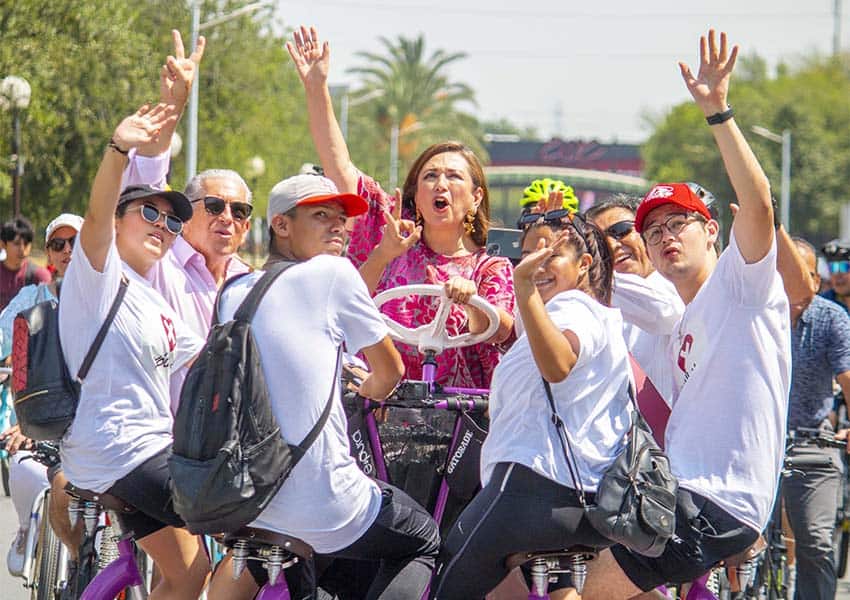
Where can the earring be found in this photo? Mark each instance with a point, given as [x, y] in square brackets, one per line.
[469, 222]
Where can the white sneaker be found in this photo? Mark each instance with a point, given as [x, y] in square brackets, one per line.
[15, 557]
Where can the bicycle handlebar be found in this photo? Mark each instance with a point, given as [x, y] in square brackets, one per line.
[807, 462]
[453, 402]
[803, 436]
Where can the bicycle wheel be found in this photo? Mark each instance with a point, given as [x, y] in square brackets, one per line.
[47, 557]
[841, 555]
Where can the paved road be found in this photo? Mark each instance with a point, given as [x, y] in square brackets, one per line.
[11, 588]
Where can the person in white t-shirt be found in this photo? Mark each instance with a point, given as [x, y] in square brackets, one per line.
[311, 310]
[573, 342]
[120, 439]
[731, 355]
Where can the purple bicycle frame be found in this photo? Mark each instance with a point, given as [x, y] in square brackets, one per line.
[120, 574]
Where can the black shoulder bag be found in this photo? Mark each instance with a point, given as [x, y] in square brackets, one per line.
[636, 497]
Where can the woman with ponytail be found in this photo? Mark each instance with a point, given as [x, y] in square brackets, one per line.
[573, 344]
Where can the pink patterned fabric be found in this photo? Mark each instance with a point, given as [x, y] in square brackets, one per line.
[462, 367]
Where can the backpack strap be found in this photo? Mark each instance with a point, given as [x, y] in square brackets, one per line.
[249, 305]
[104, 329]
[301, 449]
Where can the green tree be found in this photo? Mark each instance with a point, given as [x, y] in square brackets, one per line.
[414, 92]
[809, 100]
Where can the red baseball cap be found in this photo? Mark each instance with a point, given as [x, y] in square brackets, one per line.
[669, 193]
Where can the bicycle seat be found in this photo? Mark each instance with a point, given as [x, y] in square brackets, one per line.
[291, 544]
[107, 501]
[520, 558]
[750, 553]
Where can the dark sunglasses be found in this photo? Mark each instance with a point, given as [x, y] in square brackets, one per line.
[152, 215]
[215, 206]
[57, 244]
[620, 229]
[555, 217]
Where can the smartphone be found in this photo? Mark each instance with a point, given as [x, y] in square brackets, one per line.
[505, 242]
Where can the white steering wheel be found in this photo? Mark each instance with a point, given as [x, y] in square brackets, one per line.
[433, 336]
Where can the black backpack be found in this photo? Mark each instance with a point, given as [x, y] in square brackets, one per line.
[229, 459]
[46, 396]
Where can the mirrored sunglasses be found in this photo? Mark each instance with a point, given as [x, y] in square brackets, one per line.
[839, 266]
[620, 229]
[152, 215]
[215, 206]
[57, 244]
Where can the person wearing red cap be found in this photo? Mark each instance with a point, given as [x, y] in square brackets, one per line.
[315, 306]
[730, 353]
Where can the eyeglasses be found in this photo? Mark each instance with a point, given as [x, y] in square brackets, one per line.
[57, 244]
[839, 266]
[152, 215]
[620, 229]
[674, 224]
[215, 206]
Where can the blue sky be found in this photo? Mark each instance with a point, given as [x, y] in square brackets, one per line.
[581, 70]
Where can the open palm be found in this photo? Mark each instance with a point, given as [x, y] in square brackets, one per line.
[311, 57]
[711, 85]
[143, 126]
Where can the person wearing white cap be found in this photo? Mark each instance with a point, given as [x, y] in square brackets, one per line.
[317, 305]
[27, 478]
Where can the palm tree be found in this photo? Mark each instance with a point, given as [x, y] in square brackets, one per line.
[414, 96]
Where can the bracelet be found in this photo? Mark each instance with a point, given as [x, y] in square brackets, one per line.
[721, 117]
[115, 147]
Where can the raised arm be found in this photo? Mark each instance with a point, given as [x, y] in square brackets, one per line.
[141, 127]
[175, 85]
[555, 352]
[312, 61]
[753, 225]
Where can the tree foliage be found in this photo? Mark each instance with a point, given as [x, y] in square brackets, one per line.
[810, 100]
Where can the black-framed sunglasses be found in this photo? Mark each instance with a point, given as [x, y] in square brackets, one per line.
[57, 244]
[620, 229]
[152, 215]
[554, 217]
[215, 206]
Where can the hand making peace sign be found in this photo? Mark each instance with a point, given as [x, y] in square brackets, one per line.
[178, 72]
[399, 234]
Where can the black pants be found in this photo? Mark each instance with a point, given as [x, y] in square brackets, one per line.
[518, 511]
[403, 541]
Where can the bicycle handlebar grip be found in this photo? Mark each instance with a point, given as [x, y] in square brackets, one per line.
[808, 462]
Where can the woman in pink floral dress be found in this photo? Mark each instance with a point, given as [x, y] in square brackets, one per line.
[433, 231]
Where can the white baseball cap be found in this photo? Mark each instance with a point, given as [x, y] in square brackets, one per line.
[63, 220]
[311, 189]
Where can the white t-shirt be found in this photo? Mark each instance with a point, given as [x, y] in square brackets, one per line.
[307, 313]
[593, 400]
[732, 368]
[651, 308]
[124, 417]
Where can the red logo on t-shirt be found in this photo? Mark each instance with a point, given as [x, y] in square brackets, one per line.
[170, 332]
[687, 344]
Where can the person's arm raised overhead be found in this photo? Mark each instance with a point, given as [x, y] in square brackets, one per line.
[312, 61]
[753, 225]
[141, 127]
[175, 85]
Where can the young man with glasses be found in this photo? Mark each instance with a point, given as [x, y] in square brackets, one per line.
[837, 255]
[730, 354]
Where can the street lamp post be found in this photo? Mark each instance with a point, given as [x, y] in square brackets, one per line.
[342, 92]
[785, 140]
[395, 134]
[15, 95]
[197, 27]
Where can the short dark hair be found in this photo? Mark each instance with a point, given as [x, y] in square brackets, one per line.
[18, 226]
[625, 201]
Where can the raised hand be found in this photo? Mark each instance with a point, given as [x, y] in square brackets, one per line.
[144, 126]
[311, 58]
[711, 85]
[399, 234]
[525, 271]
[178, 72]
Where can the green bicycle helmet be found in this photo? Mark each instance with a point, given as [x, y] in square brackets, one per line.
[539, 189]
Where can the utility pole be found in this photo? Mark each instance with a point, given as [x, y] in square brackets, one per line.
[836, 27]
